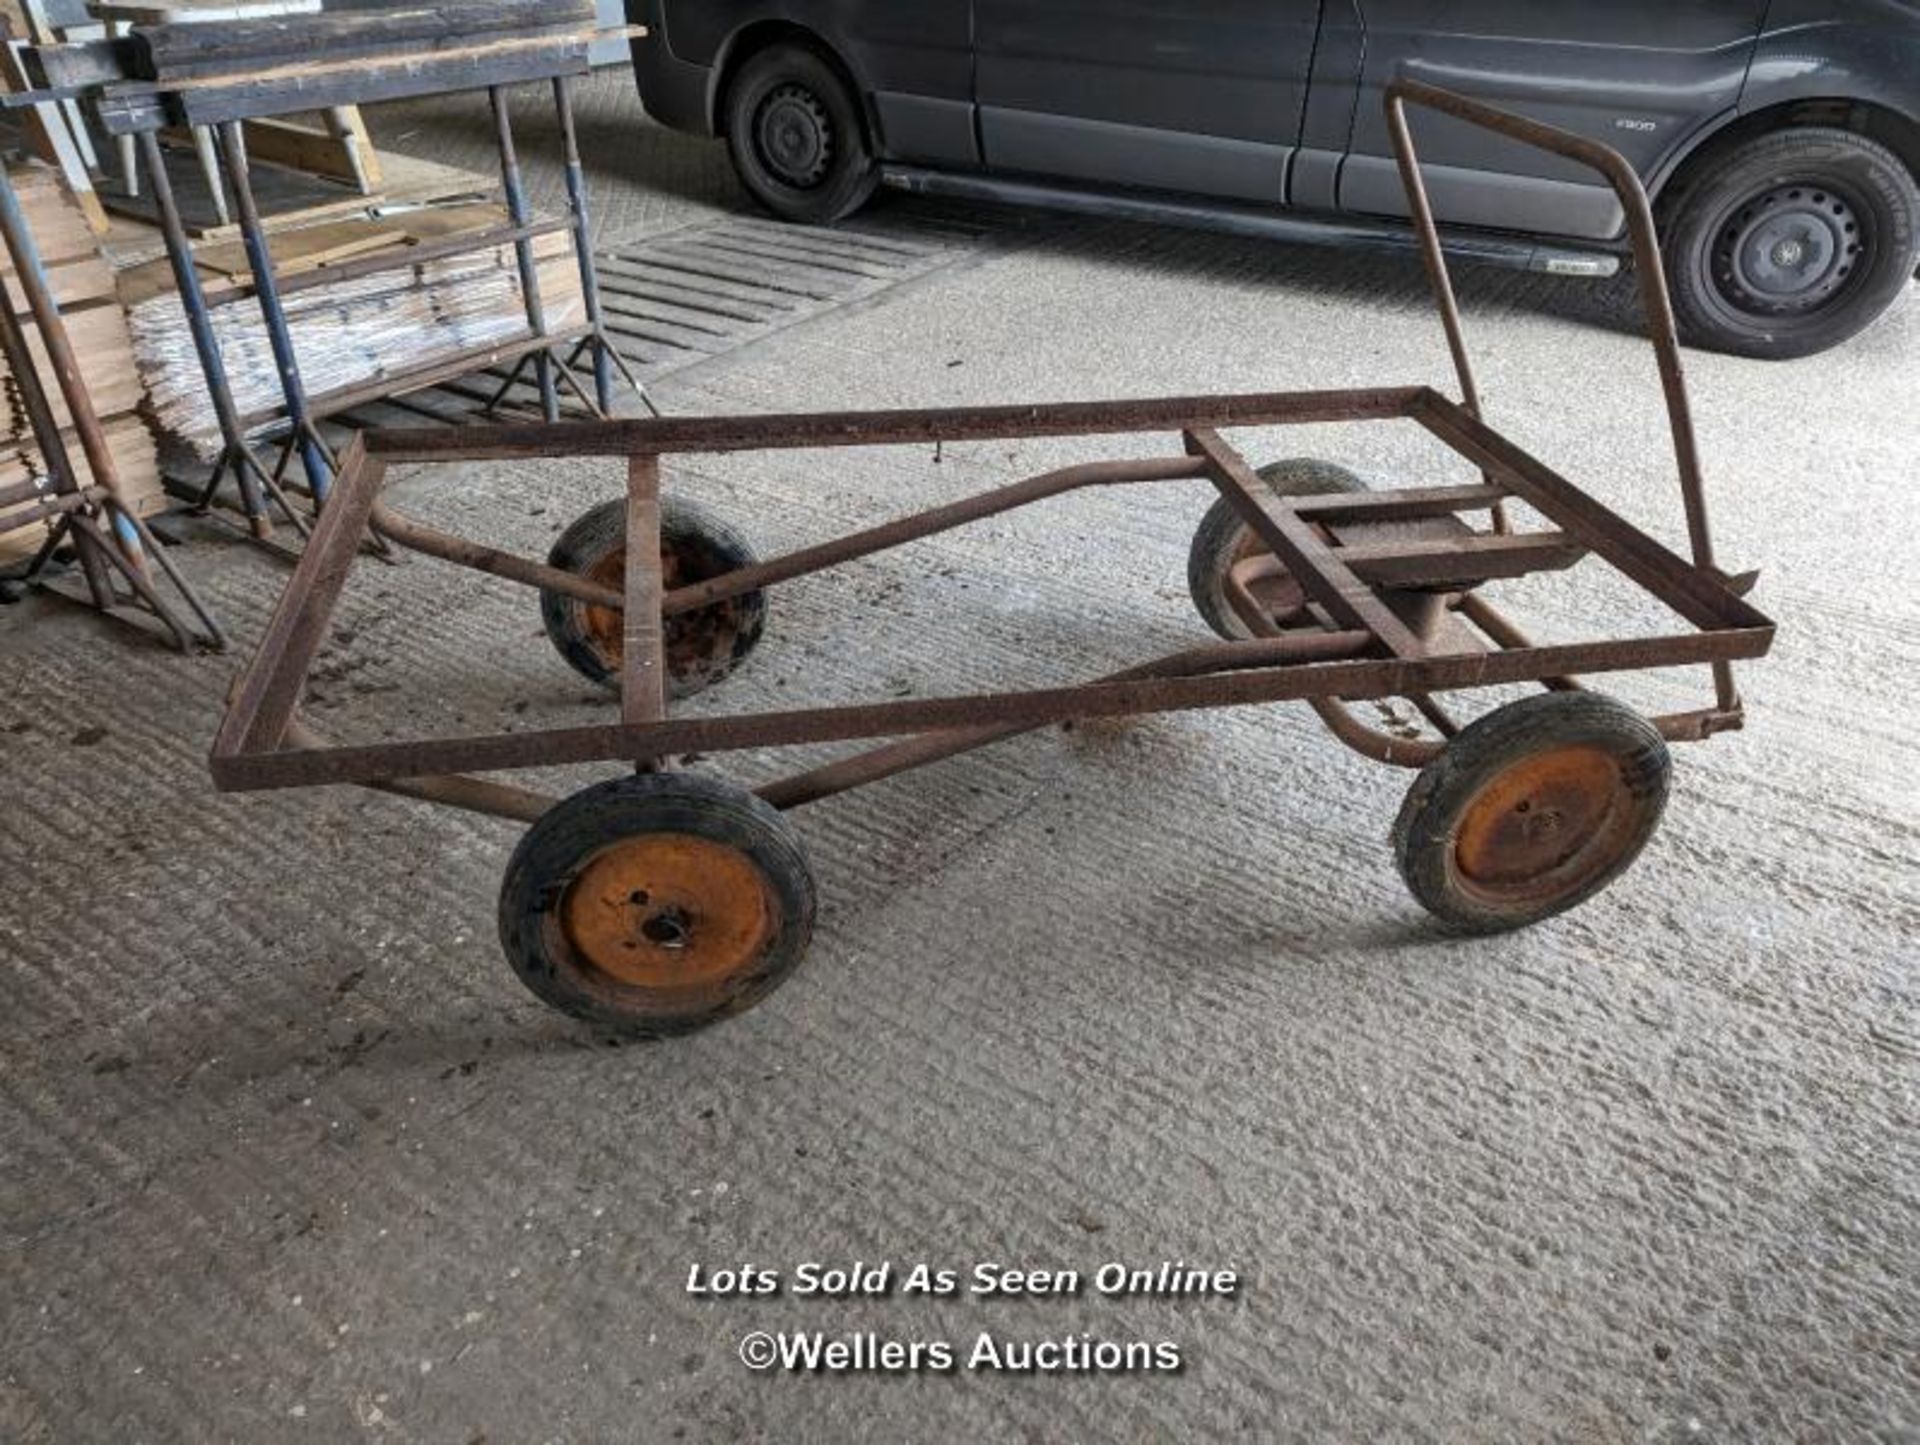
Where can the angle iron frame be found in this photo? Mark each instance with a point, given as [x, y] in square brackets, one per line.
[1376, 638]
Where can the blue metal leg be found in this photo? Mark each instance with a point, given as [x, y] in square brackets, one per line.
[583, 244]
[522, 214]
[266, 289]
[213, 367]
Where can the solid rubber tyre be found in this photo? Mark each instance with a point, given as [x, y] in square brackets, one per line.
[1532, 810]
[1790, 243]
[705, 646]
[798, 137]
[657, 905]
[1222, 541]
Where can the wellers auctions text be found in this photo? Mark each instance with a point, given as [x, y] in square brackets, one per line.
[1171, 1279]
[870, 1354]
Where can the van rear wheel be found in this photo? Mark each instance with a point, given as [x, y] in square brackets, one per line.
[798, 137]
[1791, 243]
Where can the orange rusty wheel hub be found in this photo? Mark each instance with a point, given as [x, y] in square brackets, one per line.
[1547, 826]
[670, 912]
[605, 626]
[695, 641]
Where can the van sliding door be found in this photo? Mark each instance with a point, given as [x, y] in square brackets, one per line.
[1640, 75]
[1204, 97]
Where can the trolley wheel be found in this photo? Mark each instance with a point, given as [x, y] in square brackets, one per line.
[1224, 541]
[704, 647]
[658, 904]
[1532, 810]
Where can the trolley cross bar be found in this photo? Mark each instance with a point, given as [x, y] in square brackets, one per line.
[691, 436]
[643, 668]
[269, 691]
[1314, 565]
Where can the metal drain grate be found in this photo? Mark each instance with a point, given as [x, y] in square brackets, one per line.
[676, 300]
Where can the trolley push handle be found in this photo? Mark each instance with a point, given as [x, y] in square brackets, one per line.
[1655, 297]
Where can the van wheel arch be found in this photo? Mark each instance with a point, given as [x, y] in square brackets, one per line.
[1898, 133]
[763, 35]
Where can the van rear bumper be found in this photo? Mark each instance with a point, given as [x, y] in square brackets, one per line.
[677, 93]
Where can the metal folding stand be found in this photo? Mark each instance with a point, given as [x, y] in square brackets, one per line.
[255, 482]
[74, 514]
[304, 436]
[606, 357]
[391, 57]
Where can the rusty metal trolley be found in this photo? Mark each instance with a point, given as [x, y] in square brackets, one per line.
[661, 901]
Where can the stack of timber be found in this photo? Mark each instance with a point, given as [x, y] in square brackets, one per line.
[298, 180]
[83, 288]
[350, 334]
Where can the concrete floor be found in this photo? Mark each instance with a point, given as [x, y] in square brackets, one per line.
[290, 1155]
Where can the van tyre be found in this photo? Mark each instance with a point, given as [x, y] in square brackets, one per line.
[798, 137]
[1790, 243]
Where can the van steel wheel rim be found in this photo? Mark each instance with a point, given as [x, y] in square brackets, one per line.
[796, 136]
[671, 912]
[1788, 250]
[1546, 826]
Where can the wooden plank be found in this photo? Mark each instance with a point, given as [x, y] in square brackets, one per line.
[298, 252]
[136, 461]
[78, 64]
[271, 141]
[285, 197]
[51, 140]
[173, 51]
[316, 87]
[60, 230]
[73, 283]
[100, 339]
[138, 106]
[338, 268]
[198, 13]
[307, 251]
[643, 658]
[1314, 565]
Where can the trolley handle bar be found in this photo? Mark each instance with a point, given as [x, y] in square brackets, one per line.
[1655, 297]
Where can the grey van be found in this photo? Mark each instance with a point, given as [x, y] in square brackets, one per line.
[1780, 138]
